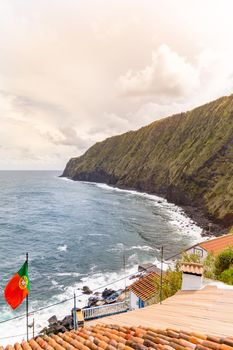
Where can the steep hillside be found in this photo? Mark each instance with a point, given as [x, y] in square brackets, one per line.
[187, 158]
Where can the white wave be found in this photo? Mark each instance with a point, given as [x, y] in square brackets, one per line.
[72, 274]
[131, 192]
[64, 178]
[93, 268]
[144, 248]
[62, 248]
[120, 247]
[133, 259]
[97, 234]
[178, 218]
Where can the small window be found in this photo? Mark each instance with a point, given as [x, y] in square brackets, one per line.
[199, 252]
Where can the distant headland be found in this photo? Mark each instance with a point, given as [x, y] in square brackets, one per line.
[186, 158]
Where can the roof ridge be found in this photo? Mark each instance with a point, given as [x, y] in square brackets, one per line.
[213, 239]
[191, 263]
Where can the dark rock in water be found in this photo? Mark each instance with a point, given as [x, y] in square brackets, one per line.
[107, 292]
[100, 303]
[113, 297]
[121, 297]
[86, 290]
[67, 322]
[57, 329]
[44, 331]
[56, 326]
[97, 293]
[93, 300]
[52, 320]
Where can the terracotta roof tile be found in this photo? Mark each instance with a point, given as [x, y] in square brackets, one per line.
[218, 244]
[192, 268]
[114, 337]
[145, 287]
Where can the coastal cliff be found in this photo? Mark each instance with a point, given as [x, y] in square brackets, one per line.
[186, 158]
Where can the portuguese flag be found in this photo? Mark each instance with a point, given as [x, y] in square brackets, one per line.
[18, 287]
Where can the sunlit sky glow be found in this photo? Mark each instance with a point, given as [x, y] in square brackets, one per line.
[73, 72]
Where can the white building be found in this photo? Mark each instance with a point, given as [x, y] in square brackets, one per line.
[191, 276]
[215, 246]
[143, 292]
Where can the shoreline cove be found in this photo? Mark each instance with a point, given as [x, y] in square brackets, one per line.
[193, 213]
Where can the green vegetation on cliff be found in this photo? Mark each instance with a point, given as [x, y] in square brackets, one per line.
[187, 158]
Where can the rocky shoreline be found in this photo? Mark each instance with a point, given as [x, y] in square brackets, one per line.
[209, 227]
[108, 296]
[197, 214]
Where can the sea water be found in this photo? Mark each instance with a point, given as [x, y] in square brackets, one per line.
[78, 234]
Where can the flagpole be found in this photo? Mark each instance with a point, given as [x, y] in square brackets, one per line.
[27, 304]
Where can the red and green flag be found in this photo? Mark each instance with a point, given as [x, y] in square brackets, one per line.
[18, 287]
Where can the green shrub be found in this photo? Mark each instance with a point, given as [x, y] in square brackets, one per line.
[223, 261]
[227, 276]
[188, 257]
[172, 281]
[192, 257]
[209, 266]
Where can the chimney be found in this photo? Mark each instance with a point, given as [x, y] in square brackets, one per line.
[191, 276]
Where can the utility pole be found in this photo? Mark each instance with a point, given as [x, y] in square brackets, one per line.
[75, 314]
[33, 328]
[161, 276]
[124, 263]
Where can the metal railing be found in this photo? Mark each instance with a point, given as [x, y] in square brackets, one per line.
[105, 310]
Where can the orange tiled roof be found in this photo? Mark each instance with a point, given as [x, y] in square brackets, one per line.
[112, 337]
[218, 244]
[193, 268]
[145, 287]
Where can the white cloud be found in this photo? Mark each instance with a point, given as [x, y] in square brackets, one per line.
[216, 72]
[171, 79]
[60, 61]
[68, 136]
[169, 75]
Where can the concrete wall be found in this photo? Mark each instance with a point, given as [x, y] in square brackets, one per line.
[191, 282]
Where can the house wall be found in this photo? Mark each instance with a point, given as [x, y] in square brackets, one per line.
[134, 301]
[191, 282]
[198, 250]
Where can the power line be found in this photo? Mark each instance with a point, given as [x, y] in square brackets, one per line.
[64, 301]
[71, 298]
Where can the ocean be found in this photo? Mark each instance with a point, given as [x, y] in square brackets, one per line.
[77, 234]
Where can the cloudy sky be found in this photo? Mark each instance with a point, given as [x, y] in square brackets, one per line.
[73, 72]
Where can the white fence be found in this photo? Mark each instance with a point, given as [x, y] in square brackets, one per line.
[104, 310]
